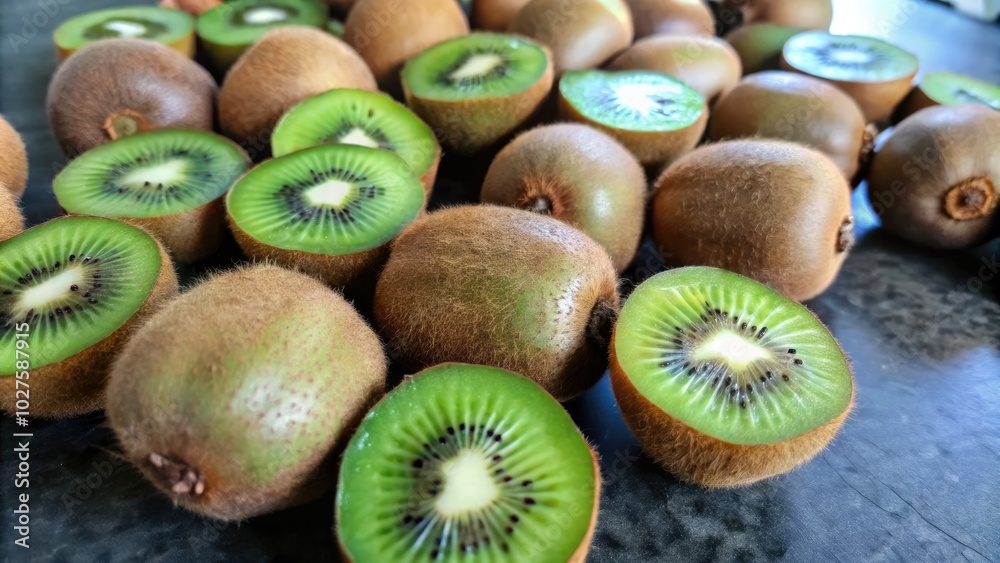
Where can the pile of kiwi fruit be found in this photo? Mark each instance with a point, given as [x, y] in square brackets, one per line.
[354, 322]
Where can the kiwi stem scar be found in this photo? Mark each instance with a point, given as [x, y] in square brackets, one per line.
[972, 198]
[541, 205]
[845, 238]
[182, 478]
[124, 123]
[601, 325]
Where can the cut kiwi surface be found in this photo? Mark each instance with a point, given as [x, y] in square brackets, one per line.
[948, 89]
[740, 382]
[467, 462]
[174, 28]
[229, 29]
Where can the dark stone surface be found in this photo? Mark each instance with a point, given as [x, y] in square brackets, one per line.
[913, 476]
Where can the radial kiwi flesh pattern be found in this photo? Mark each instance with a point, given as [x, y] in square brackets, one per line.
[171, 27]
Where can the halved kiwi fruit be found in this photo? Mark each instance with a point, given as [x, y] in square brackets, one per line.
[11, 218]
[467, 462]
[671, 17]
[173, 28]
[759, 45]
[936, 179]
[477, 89]
[724, 381]
[578, 175]
[774, 211]
[802, 14]
[170, 182]
[948, 89]
[799, 108]
[495, 15]
[359, 117]
[118, 87]
[656, 116]
[583, 35]
[327, 210]
[13, 160]
[73, 290]
[230, 29]
[876, 74]
[235, 398]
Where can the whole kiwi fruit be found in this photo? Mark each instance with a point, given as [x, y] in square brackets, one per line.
[935, 180]
[709, 65]
[116, 87]
[502, 287]
[578, 175]
[495, 15]
[286, 66]
[387, 33]
[799, 108]
[583, 36]
[802, 14]
[13, 160]
[11, 218]
[671, 17]
[193, 7]
[235, 399]
[774, 211]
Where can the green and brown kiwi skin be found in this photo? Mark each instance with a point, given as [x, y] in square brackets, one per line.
[445, 295]
[585, 37]
[152, 85]
[791, 233]
[13, 160]
[76, 385]
[704, 460]
[802, 14]
[799, 108]
[936, 180]
[759, 45]
[246, 303]
[386, 43]
[11, 218]
[287, 65]
[671, 17]
[708, 65]
[578, 175]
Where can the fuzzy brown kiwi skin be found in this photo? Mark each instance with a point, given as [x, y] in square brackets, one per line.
[444, 295]
[584, 36]
[11, 218]
[803, 14]
[671, 17]
[386, 43]
[286, 66]
[116, 87]
[709, 65]
[13, 160]
[495, 15]
[704, 460]
[939, 168]
[791, 230]
[76, 385]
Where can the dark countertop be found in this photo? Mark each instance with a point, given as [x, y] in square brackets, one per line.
[913, 476]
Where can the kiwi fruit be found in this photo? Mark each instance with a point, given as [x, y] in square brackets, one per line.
[193, 7]
[173, 28]
[118, 87]
[578, 175]
[13, 160]
[802, 14]
[583, 36]
[170, 182]
[478, 89]
[11, 218]
[495, 15]
[759, 45]
[671, 17]
[654, 115]
[936, 179]
[235, 398]
[360, 117]
[467, 462]
[707, 64]
[724, 381]
[335, 28]
[799, 108]
[503, 287]
[327, 211]
[774, 211]
[876, 74]
[288, 65]
[74, 289]
[387, 33]
[948, 89]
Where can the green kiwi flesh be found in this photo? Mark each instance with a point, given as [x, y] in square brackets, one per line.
[635, 100]
[848, 57]
[141, 22]
[949, 89]
[464, 461]
[229, 29]
[759, 45]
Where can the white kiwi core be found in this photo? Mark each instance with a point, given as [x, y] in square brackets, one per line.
[477, 65]
[125, 28]
[163, 174]
[48, 292]
[731, 349]
[359, 137]
[333, 193]
[264, 15]
[468, 484]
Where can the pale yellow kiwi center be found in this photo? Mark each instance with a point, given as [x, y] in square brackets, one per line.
[468, 485]
[48, 292]
[126, 29]
[332, 192]
[162, 174]
[851, 57]
[359, 137]
[477, 65]
[264, 15]
[731, 349]
[641, 98]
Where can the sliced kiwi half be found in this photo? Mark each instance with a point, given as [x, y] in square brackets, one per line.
[948, 89]
[229, 29]
[467, 462]
[875, 73]
[169, 181]
[328, 210]
[477, 89]
[175, 28]
[725, 381]
[360, 117]
[72, 289]
[656, 116]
